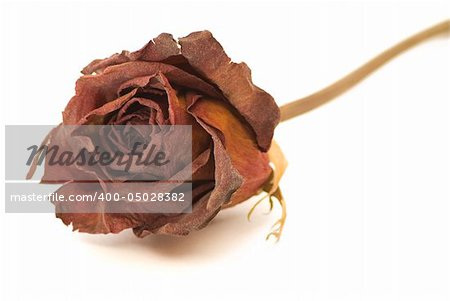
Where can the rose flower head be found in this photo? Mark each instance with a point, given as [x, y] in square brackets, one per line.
[186, 82]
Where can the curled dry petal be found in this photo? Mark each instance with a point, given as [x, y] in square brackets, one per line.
[207, 56]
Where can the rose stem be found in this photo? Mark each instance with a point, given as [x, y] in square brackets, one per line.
[315, 100]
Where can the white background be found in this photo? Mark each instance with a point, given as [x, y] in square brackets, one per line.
[367, 188]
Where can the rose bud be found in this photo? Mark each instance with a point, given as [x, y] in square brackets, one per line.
[186, 82]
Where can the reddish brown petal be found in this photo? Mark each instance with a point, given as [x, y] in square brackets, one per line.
[177, 105]
[207, 56]
[227, 181]
[123, 115]
[93, 222]
[179, 115]
[97, 116]
[93, 91]
[251, 163]
[160, 48]
[98, 65]
[78, 213]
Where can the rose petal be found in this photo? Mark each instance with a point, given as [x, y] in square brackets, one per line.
[158, 108]
[227, 181]
[97, 116]
[160, 48]
[207, 56]
[251, 163]
[93, 91]
[92, 222]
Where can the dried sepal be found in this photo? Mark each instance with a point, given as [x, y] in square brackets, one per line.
[279, 225]
[272, 189]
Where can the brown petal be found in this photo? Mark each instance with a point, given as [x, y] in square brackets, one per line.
[160, 48]
[207, 56]
[98, 65]
[157, 109]
[83, 219]
[227, 181]
[93, 222]
[97, 116]
[251, 163]
[93, 91]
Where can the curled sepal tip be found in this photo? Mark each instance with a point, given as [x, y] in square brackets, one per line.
[272, 189]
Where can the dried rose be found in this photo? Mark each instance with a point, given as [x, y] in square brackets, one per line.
[192, 82]
[189, 82]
